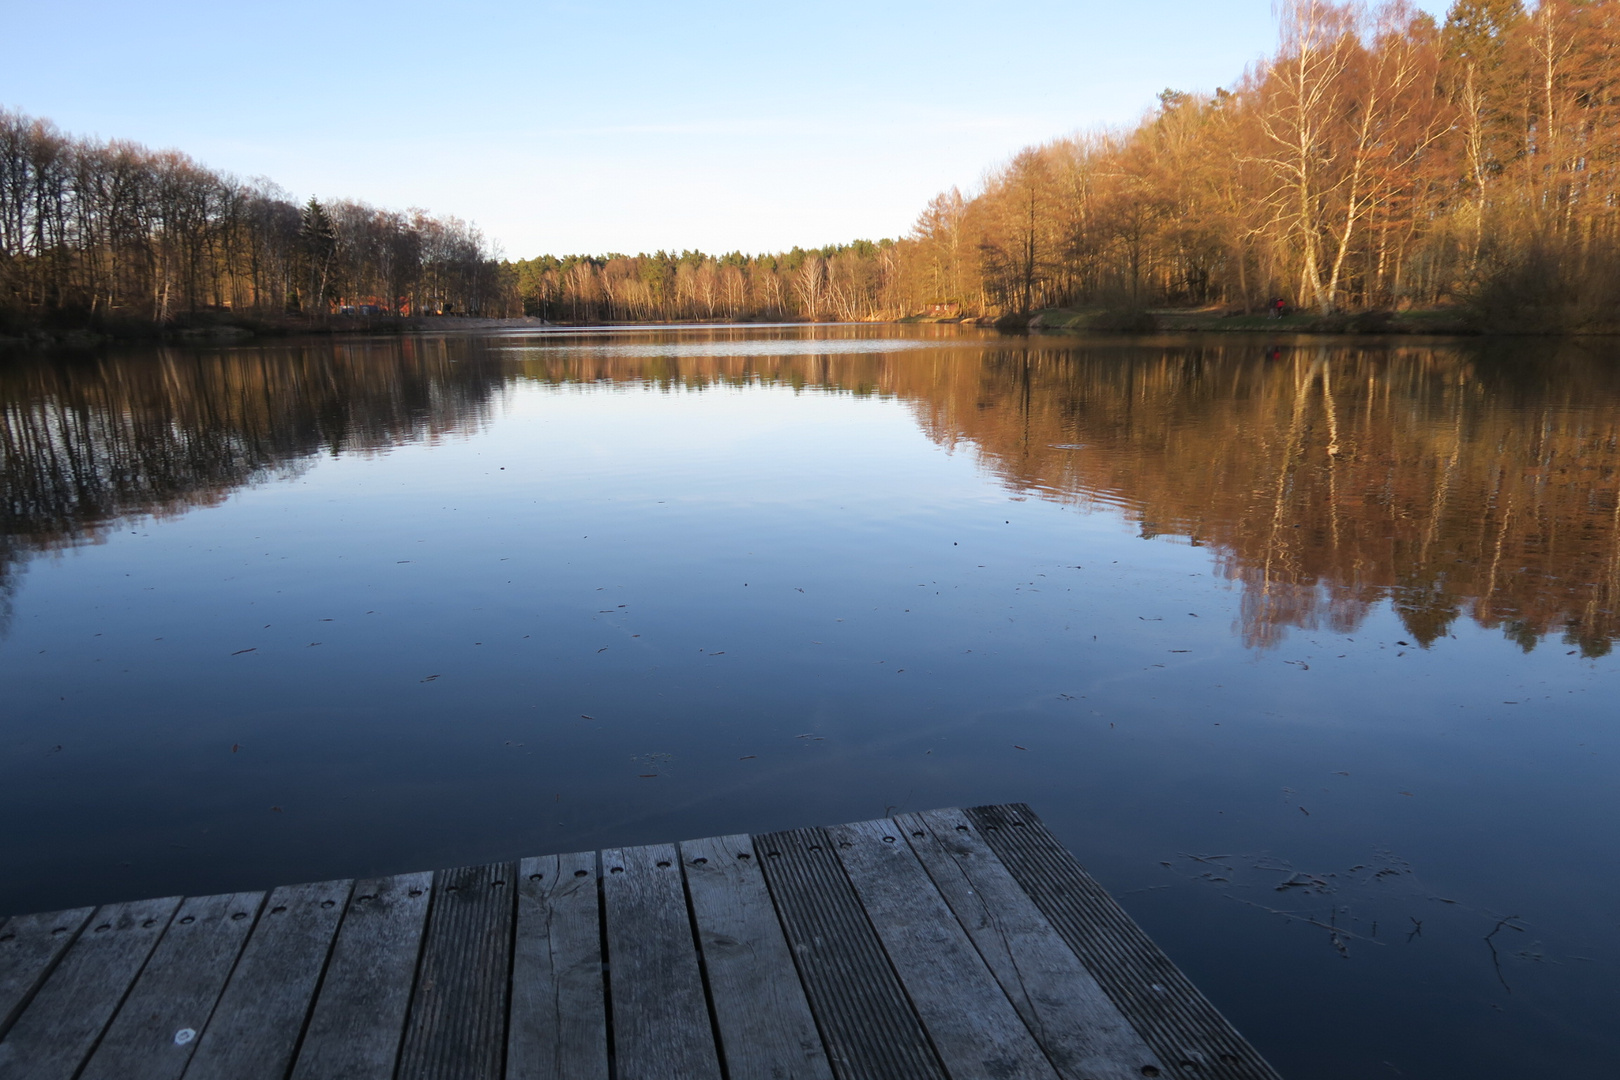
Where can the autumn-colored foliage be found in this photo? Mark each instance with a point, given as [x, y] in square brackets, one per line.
[1375, 161]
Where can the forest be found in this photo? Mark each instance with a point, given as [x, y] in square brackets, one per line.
[98, 231]
[1376, 161]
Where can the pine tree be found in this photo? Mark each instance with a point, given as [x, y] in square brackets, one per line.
[1481, 81]
[318, 239]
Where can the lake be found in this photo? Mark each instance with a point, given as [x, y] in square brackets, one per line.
[1303, 646]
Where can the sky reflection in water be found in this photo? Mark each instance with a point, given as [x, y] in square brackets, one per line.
[1303, 649]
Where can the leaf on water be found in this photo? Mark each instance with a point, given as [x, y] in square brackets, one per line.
[648, 775]
[582, 716]
[1304, 811]
[430, 678]
[277, 809]
[748, 757]
[1017, 747]
[239, 652]
[235, 747]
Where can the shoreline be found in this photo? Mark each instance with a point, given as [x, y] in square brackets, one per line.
[217, 329]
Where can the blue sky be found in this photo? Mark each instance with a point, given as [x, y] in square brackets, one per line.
[565, 126]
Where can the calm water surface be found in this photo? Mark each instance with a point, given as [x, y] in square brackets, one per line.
[1303, 647]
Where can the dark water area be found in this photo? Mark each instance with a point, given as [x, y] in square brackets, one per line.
[1303, 647]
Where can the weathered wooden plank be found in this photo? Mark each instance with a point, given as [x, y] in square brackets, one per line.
[1161, 1003]
[155, 1031]
[974, 1027]
[766, 1030]
[866, 1021]
[661, 1028]
[355, 1029]
[457, 1026]
[1085, 1037]
[57, 1030]
[960, 929]
[30, 947]
[558, 1025]
[259, 1017]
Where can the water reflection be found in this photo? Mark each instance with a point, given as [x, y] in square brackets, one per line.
[1325, 478]
[91, 444]
[651, 585]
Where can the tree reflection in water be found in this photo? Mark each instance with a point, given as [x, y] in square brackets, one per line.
[91, 444]
[1326, 477]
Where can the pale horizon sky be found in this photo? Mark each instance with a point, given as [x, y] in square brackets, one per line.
[565, 127]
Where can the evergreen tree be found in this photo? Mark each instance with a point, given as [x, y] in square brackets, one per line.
[318, 239]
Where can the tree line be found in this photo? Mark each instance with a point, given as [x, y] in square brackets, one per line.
[110, 229]
[853, 282]
[1377, 160]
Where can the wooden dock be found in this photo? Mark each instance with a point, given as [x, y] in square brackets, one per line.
[949, 944]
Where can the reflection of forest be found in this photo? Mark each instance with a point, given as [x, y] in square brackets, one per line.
[87, 443]
[1325, 478]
